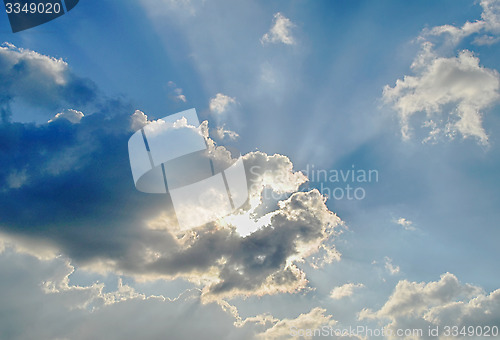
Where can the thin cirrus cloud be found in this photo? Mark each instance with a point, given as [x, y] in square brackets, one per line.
[452, 92]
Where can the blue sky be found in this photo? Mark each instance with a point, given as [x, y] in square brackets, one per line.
[410, 90]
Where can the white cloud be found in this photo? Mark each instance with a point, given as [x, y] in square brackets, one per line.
[453, 91]
[280, 31]
[176, 92]
[39, 80]
[71, 115]
[422, 305]
[488, 27]
[406, 224]
[346, 290]
[314, 319]
[47, 68]
[391, 268]
[297, 228]
[138, 120]
[221, 133]
[220, 103]
[294, 228]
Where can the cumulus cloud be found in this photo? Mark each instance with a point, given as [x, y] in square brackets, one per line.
[314, 319]
[138, 120]
[39, 80]
[346, 290]
[70, 115]
[280, 31]
[313, 324]
[220, 103]
[264, 262]
[67, 189]
[422, 305]
[452, 92]
[149, 246]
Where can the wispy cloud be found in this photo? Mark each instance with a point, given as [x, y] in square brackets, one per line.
[486, 30]
[222, 133]
[176, 92]
[390, 267]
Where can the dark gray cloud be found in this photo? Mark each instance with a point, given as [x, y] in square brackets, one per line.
[69, 184]
[73, 187]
